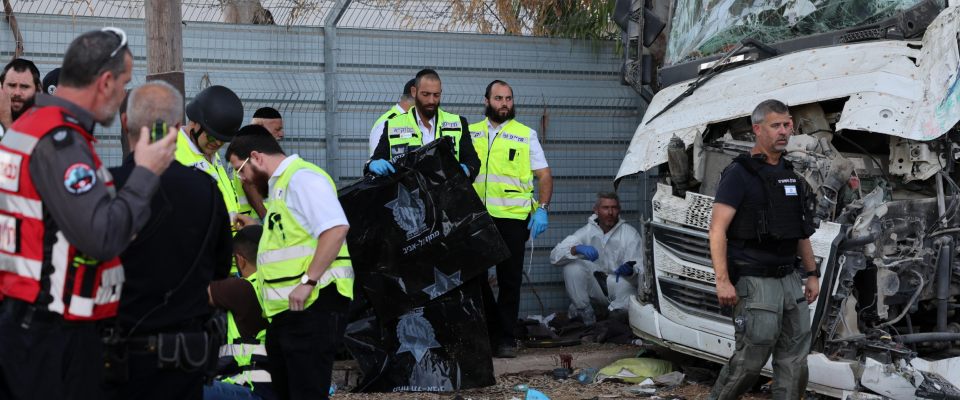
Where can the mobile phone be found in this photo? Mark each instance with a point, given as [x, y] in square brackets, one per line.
[159, 130]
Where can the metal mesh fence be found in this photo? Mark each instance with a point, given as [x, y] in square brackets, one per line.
[567, 90]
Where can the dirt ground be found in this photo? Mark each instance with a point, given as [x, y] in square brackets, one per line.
[540, 378]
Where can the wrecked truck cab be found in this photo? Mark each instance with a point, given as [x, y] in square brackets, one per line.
[878, 142]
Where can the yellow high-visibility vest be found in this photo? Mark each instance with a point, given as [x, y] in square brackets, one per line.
[505, 180]
[287, 248]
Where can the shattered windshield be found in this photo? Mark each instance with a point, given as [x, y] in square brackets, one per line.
[706, 27]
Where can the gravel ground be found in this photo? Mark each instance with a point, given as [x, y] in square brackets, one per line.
[568, 389]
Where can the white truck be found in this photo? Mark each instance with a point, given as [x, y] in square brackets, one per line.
[874, 90]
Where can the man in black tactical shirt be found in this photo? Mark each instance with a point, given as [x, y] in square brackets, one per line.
[185, 245]
[759, 227]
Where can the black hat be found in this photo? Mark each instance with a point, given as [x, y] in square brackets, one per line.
[218, 110]
[50, 81]
[267, 113]
[410, 84]
[253, 130]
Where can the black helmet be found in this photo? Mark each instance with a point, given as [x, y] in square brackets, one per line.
[218, 110]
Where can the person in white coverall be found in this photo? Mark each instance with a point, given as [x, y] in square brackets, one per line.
[607, 245]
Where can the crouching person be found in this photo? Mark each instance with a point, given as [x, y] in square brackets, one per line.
[600, 261]
[161, 344]
[242, 369]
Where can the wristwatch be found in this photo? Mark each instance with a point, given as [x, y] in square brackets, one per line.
[305, 280]
[545, 206]
[815, 273]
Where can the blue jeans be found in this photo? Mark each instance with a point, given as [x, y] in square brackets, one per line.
[220, 390]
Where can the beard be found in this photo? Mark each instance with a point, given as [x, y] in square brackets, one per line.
[261, 182]
[497, 116]
[427, 114]
[27, 103]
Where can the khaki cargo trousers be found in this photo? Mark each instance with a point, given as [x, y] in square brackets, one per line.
[771, 316]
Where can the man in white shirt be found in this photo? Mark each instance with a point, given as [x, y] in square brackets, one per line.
[306, 278]
[424, 123]
[511, 157]
[403, 104]
[601, 261]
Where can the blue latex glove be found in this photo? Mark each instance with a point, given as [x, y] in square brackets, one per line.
[465, 169]
[381, 167]
[625, 269]
[589, 252]
[538, 222]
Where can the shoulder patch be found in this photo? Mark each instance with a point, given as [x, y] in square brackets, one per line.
[79, 178]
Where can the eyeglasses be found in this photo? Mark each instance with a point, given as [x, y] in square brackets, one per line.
[244, 163]
[123, 39]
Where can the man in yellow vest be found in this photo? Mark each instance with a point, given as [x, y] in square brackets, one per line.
[243, 358]
[511, 156]
[306, 279]
[249, 201]
[214, 116]
[403, 104]
[422, 124]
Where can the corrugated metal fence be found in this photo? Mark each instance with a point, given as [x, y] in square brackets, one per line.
[567, 90]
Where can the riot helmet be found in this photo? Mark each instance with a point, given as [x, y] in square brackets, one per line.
[218, 111]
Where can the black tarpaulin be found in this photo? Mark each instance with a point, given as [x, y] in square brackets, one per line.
[416, 237]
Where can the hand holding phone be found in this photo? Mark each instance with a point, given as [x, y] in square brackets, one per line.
[159, 131]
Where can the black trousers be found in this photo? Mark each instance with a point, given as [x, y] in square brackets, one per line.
[49, 359]
[148, 381]
[502, 312]
[301, 346]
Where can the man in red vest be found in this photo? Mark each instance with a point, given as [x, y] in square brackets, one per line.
[62, 225]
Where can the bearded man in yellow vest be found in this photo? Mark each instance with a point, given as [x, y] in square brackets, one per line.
[249, 201]
[305, 277]
[511, 156]
[422, 124]
[214, 116]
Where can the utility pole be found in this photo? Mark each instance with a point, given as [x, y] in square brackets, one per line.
[165, 42]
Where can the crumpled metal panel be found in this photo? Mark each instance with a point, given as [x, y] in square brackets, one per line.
[889, 93]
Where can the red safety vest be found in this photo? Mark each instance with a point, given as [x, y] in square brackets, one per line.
[79, 288]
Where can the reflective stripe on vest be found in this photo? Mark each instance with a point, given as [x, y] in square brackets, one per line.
[286, 250]
[253, 376]
[403, 131]
[28, 208]
[21, 266]
[505, 180]
[282, 293]
[245, 355]
[20, 142]
[34, 260]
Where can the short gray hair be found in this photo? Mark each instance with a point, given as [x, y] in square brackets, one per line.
[607, 195]
[152, 101]
[766, 107]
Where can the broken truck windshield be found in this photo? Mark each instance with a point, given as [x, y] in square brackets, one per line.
[706, 27]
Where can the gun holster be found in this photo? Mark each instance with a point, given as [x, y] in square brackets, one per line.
[115, 357]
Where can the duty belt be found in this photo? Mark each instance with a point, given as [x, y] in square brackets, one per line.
[763, 271]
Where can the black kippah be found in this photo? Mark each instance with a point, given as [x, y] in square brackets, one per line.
[267, 113]
[253, 130]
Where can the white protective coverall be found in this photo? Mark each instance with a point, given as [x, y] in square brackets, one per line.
[619, 245]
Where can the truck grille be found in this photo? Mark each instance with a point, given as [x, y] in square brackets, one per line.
[695, 298]
[688, 244]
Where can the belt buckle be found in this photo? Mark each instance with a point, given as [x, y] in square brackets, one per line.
[785, 270]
